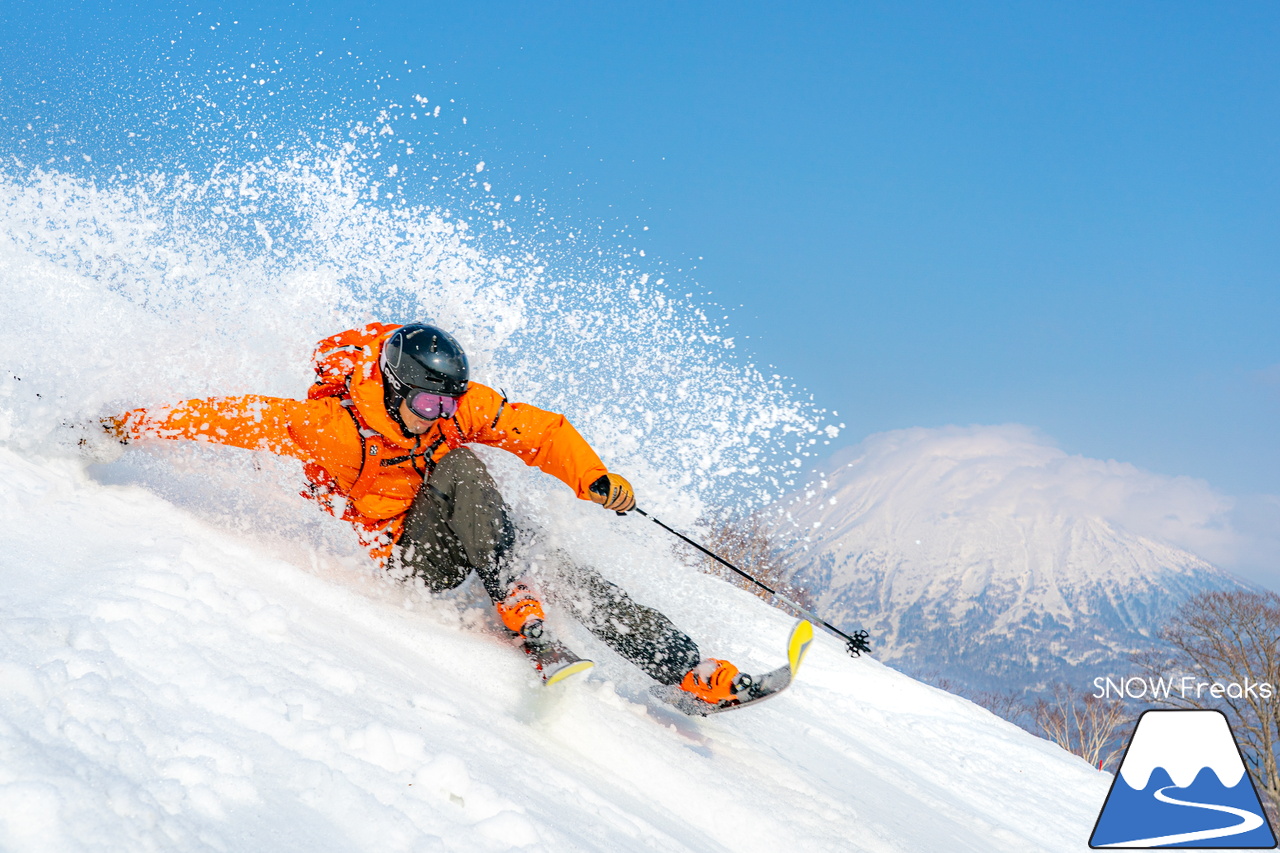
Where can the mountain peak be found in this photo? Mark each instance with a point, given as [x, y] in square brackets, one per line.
[990, 545]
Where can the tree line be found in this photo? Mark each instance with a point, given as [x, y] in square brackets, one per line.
[1216, 638]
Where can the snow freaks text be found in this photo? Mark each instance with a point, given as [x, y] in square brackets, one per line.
[1185, 687]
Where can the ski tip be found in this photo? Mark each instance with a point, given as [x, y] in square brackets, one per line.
[572, 669]
[798, 646]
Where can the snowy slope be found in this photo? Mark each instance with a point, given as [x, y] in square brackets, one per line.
[169, 685]
[193, 658]
[989, 556]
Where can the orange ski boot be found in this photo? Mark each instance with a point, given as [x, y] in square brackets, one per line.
[717, 682]
[521, 612]
[520, 606]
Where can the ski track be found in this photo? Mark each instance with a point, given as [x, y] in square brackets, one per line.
[167, 685]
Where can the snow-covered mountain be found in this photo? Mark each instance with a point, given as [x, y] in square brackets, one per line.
[988, 556]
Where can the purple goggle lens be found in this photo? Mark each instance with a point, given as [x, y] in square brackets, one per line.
[430, 406]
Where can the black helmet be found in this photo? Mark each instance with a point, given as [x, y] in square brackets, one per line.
[424, 357]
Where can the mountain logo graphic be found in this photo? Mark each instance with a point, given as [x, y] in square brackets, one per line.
[1182, 783]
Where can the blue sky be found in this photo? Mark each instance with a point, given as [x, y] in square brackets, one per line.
[1057, 214]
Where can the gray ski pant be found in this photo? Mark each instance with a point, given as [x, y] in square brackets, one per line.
[458, 523]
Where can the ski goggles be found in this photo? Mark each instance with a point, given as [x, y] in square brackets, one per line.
[430, 406]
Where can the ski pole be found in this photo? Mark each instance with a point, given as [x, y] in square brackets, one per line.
[855, 644]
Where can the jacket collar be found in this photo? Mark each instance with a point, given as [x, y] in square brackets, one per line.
[368, 394]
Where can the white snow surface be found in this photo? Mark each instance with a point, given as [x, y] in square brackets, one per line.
[169, 684]
[1183, 743]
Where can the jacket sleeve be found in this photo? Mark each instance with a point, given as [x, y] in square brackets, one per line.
[542, 439]
[273, 424]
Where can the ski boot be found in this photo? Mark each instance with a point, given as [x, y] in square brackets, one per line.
[718, 683]
[520, 606]
[521, 611]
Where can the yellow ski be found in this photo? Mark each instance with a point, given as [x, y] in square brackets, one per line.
[798, 645]
[567, 670]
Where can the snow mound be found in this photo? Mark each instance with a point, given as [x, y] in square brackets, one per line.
[171, 685]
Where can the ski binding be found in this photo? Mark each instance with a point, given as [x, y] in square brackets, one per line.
[553, 660]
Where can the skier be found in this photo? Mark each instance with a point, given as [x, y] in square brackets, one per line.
[382, 436]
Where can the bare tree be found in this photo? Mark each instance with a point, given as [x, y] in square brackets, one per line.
[1083, 724]
[1229, 639]
[1006, 704]
[747, 544]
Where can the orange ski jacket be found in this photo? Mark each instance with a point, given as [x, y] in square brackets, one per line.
[360, 465]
